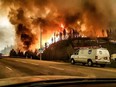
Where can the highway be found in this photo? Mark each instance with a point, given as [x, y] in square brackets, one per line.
[17, 67]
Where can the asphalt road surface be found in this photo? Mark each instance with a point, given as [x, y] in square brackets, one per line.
[16, 67]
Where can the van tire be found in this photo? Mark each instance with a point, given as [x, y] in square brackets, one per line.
[102, 65]
[72, 61]
[89, 63]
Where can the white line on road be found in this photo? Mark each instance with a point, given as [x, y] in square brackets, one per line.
[56, 68]
[27, 62]
[8, 68]
[22, 61]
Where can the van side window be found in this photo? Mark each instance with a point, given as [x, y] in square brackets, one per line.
[100, 52]
[89, 51]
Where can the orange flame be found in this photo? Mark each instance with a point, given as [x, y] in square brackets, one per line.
[62, 26]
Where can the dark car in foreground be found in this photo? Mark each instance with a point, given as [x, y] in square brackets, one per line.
[57, 81]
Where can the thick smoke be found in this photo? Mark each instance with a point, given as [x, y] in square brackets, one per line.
[29, 16]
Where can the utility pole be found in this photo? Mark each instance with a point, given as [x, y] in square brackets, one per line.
[40, 43]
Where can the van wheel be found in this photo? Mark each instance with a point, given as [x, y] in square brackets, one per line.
[89, 63]
[102, 65]
[72, 61]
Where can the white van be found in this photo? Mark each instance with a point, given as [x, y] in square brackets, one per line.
[91, 56]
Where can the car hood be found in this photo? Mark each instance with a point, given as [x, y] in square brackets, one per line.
[20, 80]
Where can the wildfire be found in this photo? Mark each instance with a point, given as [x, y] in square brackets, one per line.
[62, 26]
[55, 36]
[78, 22]
[58, 22]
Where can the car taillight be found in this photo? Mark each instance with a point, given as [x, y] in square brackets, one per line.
[96, 57]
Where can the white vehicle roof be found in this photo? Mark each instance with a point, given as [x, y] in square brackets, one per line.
[93, 48]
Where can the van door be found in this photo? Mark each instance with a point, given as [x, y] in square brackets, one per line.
[82, 57]
[85, 54]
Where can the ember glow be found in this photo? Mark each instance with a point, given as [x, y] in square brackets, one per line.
[89, 18]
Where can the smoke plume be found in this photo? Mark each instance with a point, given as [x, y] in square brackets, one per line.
[89, 17]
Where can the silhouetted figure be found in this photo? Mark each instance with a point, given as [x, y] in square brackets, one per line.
[45, 45]
[60, 34]
[52, 39]
[64, 33]
[73, 33]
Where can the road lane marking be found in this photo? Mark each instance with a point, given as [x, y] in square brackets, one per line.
[27, 62]
[8, 68]
[56, 68]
